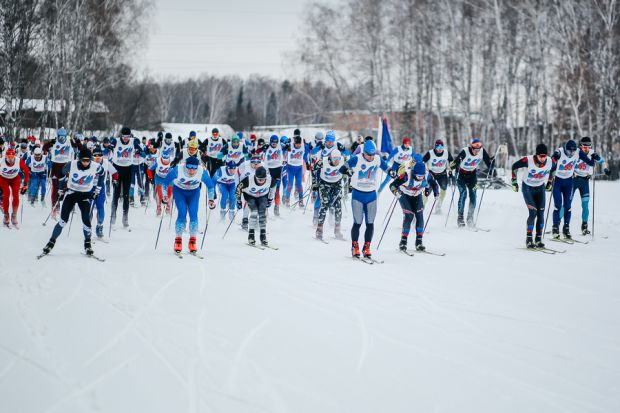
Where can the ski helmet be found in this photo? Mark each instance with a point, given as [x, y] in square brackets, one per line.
[370, 148]
[570, 146]
[541, 149]
[261, 173]
[585, 141]
[419, 169]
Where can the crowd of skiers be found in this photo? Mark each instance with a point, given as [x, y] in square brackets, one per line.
[253, 174]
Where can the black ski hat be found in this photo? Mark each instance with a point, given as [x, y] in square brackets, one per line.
[296, 132]
[160, 135]
[261, 173]
[585, 141]
[297, 140]
[215, 130]
[541, 149]
[97, 151]
[168, 135]
[125, 131]
[85, 153]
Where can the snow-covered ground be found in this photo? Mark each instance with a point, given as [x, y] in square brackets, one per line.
[487, 328]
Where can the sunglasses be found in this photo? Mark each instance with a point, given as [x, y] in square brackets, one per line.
[85, 159]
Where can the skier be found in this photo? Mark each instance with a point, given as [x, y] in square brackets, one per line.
[245, 171]
[328, 183]
[581, 183]
[212, 146]
[235, 150]
[122, 160]
[10, 181]
[565, 158]
[438, 162]
[185, 180]
[467, 162]
[257, 192]
[408, 187]
[363, 171]
[297, 158]
[190, 150]
[274, 160]
[149, 161]
[286, 145]
[160, 170]
[167, 146]
[39, 166]
[60, 151]
[227, 178]
[100, 199]
[137, 169]
[80, 184]
[538, 177]
[400, 155]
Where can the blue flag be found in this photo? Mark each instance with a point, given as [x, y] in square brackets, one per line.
[386, 139]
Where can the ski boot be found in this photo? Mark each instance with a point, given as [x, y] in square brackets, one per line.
[263, 238]
[192, 244]
[49, 246]
[470, 221]
[168, 208]
[366, 250]
[460, 221]
[32, 202]
[555, 232]
[403, 243]
[529, 242]
[319, 232]
[418, 245]
[286, 202]
[251, 239]
[99, 231]
[6, 221]
[538, 241]
[338, 233]
[132, 203]
[584, 229]
[276, 210]
[244, 224]
[178, 244]
[355, 249]
[88, 248]
[301, 202]
[231, 215]
[222, 215]
[142, 200]
[158, 212]
[125, 219]
[43, 204]
[14, 219]
[566, 232]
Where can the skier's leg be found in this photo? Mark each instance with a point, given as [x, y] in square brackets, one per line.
[193, 198]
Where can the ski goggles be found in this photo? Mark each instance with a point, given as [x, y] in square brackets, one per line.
[84, 160]
[255, 161]
[10, 157]
[439, 147]
[570, 153]
[418, 177]
[191, 167]
[476, 145]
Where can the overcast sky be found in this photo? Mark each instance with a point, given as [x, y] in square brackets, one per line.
[190, 37]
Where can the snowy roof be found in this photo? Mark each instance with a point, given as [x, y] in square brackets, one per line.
[38, 105]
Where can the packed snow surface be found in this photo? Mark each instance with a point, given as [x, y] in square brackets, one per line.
[490, 327]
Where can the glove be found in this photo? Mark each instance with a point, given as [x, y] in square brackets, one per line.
[395, 191]
[211, 204]
[239, 204]
[606, 171]
[315, 186]
[392, 173]
[95, 193]
[596, 157]
[115, 176]
[61, 195]
[549, 186]
[23, 189]
[450, 175]
[435, 193]
[268, 203]
[164, 200]
[515, 186]
[427, 191]
[350, 172]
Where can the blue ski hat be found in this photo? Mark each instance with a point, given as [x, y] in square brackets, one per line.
[165, 155]
[417, 158]
[370, 148]
[240, 135]
[231, 164]
[273, 139]
[192, 161]
[330, 136]
[570, 146]
[192, 133]
[284, 139]
[419, 169]
[61, 133]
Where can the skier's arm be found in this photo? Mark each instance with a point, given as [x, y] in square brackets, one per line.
[210, 183]
[488, 160]
[426, 157]
[243, 184]
[62, 182]
[585, 158]
[26, 170]
[521, 163]
[457, 161]
[172, 175]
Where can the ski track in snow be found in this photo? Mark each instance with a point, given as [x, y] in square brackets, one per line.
[304, 329]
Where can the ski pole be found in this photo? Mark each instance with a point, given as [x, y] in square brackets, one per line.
[456, 176]
[386, 225]
[70, 221]
[231, 221]
[430, 213]
[390, 207]
[548, 209]
[50, 214]
[171, 213]
[593, 196]
[159, 229]
[21, 214]
[204, 234]
[485, 187]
